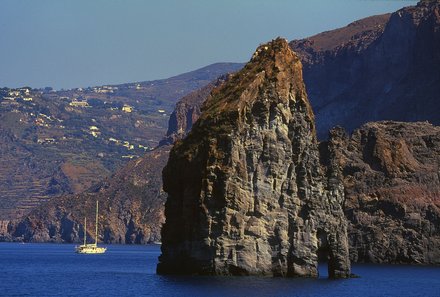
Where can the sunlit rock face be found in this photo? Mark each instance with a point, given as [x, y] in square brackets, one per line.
[246, 194]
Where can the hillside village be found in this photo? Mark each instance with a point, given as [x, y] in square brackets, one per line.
[28, 103]
[79, 136]
[64, 142]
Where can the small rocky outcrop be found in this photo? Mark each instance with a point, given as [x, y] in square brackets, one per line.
[246, 195]
[391, 173]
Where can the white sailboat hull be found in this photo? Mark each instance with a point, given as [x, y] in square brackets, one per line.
[89, 249]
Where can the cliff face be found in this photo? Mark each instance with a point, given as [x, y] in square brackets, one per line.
[187, 111]
[245, 191]
[391, 173]
[379, 68]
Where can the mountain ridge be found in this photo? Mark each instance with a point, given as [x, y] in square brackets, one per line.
[387, 72]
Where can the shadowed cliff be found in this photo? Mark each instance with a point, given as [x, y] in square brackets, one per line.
[380, 68]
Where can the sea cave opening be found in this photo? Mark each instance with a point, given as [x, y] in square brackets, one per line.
[323, 254]
[323, 263]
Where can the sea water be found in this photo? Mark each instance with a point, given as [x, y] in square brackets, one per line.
[124, 270]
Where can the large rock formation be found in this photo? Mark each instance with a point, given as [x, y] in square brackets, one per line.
[379, 68]
[391, 173]
[245, 190]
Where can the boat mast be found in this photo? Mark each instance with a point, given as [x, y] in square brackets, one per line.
[85, 230]
[96, 228]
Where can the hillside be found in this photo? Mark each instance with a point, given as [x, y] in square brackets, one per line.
[131, 208]
[61, 142]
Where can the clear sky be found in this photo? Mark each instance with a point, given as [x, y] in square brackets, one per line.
[80, 43]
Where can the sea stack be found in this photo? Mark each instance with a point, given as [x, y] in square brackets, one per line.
[246, 193]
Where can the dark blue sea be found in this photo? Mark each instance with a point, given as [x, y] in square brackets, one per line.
[55, 270]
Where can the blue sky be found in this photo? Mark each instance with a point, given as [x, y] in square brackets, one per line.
[80, 43]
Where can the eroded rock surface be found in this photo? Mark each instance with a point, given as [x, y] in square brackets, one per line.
[391, 173]
[246, 194]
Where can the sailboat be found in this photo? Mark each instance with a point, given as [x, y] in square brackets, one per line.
[90, 248]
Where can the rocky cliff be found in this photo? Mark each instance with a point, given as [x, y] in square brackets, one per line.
[391, 173]
[379, 68]
[187, 111]
[246, 195]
